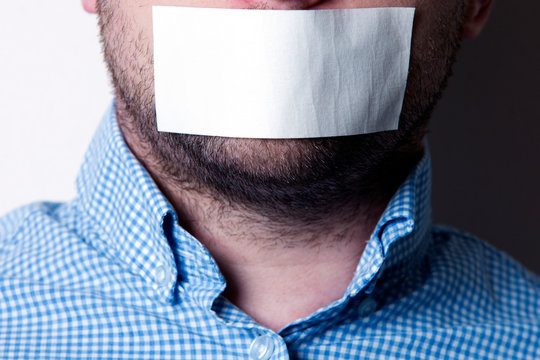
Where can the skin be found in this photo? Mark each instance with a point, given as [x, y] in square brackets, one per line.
[280, 269]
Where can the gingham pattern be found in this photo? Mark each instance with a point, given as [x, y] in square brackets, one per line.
[111, 275]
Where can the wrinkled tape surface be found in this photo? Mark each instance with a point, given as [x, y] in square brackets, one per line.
[280, 73]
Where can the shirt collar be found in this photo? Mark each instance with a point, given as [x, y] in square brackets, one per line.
[134, 225]
[402, 235]
[131, 222]
[125, 209]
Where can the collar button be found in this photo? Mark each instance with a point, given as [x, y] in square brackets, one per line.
[162, 276]
[367, 307]
[261, 348]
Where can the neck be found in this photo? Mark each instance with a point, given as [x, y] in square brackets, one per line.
[276, 271]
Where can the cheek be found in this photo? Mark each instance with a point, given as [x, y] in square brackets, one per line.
[138, 17]
[139, 13]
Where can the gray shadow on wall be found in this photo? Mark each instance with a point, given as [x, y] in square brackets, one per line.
[485, 135]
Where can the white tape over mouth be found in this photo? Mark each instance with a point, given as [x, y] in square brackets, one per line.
[280, 73]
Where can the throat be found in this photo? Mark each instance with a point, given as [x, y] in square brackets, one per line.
[277, 295]
[275, 273]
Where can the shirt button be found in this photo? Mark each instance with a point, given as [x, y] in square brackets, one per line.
[162, 275]
[367, 307]
[261, 348]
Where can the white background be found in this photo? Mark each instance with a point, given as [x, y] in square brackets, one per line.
[54, 89]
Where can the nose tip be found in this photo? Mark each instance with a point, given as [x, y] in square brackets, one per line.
[283, 4]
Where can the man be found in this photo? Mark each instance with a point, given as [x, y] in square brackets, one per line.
[193, 247]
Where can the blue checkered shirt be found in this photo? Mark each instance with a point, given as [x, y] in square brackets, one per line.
[111, 275]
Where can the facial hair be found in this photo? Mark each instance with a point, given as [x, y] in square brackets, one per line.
[285, 181]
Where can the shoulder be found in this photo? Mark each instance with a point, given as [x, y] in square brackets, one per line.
[38, 239]
[474, 264]
[470, 299]
[32, 226]
[464, 246]
[23, 218]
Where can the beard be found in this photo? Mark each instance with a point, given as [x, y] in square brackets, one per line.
[285, 181]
